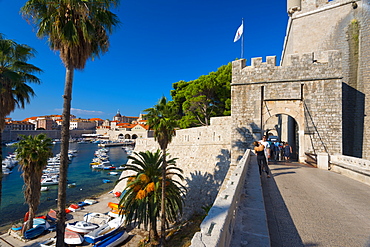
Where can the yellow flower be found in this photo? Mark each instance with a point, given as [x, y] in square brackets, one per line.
[140, 195]
[150, 187]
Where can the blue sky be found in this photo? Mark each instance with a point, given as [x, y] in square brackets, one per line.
[157, 44]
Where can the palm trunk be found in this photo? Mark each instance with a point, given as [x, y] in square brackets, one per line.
[163, 206]
[62, 187]
[153, 234]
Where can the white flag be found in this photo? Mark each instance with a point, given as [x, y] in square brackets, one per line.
[239, 33]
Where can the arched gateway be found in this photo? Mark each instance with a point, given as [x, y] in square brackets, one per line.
[323, 86]
[307, 90]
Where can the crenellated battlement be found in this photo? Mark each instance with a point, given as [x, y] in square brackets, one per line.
[325, 64]
[303, 6]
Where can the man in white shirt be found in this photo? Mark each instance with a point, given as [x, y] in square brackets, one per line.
[265, 143]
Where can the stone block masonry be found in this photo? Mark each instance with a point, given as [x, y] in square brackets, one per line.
[204, 156]
[308, 88]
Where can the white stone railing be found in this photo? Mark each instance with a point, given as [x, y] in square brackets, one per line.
[352, 161]
[355, 168]
[217, 228]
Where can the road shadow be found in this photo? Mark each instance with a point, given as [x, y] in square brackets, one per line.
[282, 230]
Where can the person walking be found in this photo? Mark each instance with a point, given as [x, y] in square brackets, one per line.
[287, 151]
[266, 145]
[259, 149]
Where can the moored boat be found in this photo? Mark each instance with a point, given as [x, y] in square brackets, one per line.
[44, 188]
[74, 207]
[97, 218]
[73, 238]
[50, 180]
[52, 215]
[104, 231]
[34, 232]
[114, 240]
[90, 201]
[82, 227]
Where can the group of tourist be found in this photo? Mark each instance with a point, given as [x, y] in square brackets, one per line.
[266, 149]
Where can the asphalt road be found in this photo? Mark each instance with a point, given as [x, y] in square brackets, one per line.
[307, 206]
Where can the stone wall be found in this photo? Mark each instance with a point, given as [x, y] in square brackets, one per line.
[342, 25]
[12, 135]
[204, 156]
[308, 89]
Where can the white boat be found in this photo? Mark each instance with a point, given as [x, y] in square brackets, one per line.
[104, 231]
[50, 180]
[113, 173]
[90, 201]
[97, 218]
[44, 188]
[6, 171]
[73, 238]
[81, 227]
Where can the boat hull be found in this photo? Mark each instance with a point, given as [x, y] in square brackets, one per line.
[114, 240]
[34, 232]
[73, 238]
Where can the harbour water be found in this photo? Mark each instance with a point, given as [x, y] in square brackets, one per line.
[88, 182]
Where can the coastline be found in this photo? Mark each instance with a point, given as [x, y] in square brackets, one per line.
[101, 206]
[6, 226]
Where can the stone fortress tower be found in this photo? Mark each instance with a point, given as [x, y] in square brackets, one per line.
[318, 98]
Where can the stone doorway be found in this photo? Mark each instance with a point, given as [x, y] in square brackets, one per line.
[285, 128]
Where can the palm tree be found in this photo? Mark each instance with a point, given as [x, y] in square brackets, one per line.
[79, 30]
[142, 196]
[33, 153]
[15, 73]
[161, 118]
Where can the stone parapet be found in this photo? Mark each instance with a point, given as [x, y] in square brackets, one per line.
[218, 228]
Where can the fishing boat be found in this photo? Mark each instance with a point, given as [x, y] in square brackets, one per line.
[34, 232]
[74, 207]
[114, 240]
[73, 238]
[52, 215]
[53, 180]
[97, 218]
[81, 204]
[82, 227]
[90, 201]
[44, 188]
[104, 231]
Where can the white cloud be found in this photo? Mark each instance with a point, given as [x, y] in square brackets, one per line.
[78, 112]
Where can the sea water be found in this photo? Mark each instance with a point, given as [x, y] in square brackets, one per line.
[88, 182]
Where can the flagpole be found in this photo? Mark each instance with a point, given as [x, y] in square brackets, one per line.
[242, 43]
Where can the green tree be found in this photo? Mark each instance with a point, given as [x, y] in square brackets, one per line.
[33, 153]
[79, 30]
[161, 118]
[141, 201]
[199, 100]
[15, 73]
